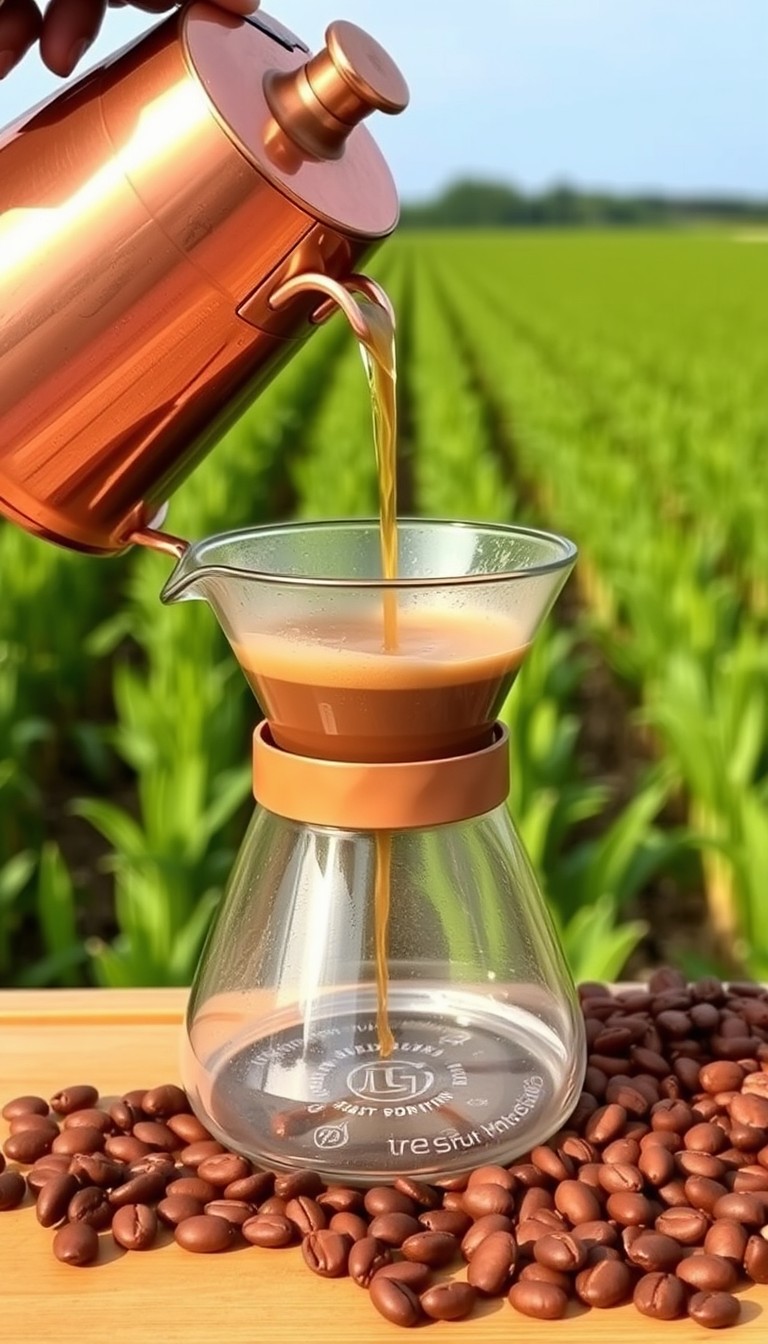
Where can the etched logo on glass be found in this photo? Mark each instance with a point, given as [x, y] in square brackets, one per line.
[390, 1082]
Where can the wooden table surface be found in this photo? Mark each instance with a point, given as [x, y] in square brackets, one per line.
[123, 1039]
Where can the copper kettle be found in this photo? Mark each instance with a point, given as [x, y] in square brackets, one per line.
[166, 223]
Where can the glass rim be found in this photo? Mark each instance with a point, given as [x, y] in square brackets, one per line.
[178, 580]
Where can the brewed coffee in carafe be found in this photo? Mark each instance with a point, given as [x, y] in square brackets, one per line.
[285, 1026]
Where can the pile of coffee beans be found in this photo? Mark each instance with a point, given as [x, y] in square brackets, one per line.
[656, 1191]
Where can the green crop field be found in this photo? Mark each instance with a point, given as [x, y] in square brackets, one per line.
[610, 386]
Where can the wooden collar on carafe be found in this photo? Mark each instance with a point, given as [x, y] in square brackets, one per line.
[381, 796]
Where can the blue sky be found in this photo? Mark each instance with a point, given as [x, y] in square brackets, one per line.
[669, 94]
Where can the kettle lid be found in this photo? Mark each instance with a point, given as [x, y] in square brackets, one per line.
[296, 117]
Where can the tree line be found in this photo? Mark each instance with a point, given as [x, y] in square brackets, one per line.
[479, 204]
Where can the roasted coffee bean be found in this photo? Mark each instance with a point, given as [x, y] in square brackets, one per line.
[555, 1165]
[747, 1138]
[193, 1186]
[454, 1182]
[352, 1225]
[622, 1150]
[274, 1205]
[656, 1164]
[73, 1099]
[83, 1139]
[306, 1215]
[660, 1296]
[28, 1145]
[406, 1271]
[134, 1227]
[479, 1200]
[673, 1194]
[236, 1211]
[527, 1233]
[393, 1228]
[76, 1244]
[527, 1175]
[705, 1138]
[124, 1116]
[135, 1097]
[341, 1199]
[688, 1226]
[722, 1075]
[702, 1193]
[487, 1175]
[90, 1205]
[596, 1233]
[205, 1234]
[616, 1177]
[652, 1251]
[430, 1248]
[146, 1189]
[175, 1208]
[223, 1168]
[384, 1199]
[453, 1199]
[448, 1301]
[700, 1164]
[747, 1209]
[156, 1135]
[395, 1301]
[634, 1099]
[161, 1163]
[542, 1301]
[24, 1106]
[325, 1253]
[543, 1274]
[271, 1230]
[53, 1199]
[630, 1209]
[756, 1259]
[292, 1184]
[91, 1118]
[453, 1221]
[491, 1266]
[96, 1169]
[366, 1257]
[749, 1109]
[727, 1237]
[164, 1101]
[533, 1202]
[589, 1174]
[424, 1196]
[198, 1152]
[715, 1311]
[43, 1123]
[580, 1150]
[45, 1169]
[608, 1123]
[124, 1148]
[12, 1190]
[662, 1138]
[254, 1189]
[708, 1273]
[606, 1284]
[577, 1202]
[672, 1116]
[560, 1251]
[187, 1128]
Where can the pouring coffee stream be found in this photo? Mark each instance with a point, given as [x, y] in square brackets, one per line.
[373, 321]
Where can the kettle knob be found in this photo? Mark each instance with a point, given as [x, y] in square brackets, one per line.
[319, 105]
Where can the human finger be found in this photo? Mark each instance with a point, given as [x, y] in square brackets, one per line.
[69, 28]
[20, 25]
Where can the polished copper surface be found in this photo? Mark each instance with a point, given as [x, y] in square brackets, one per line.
[141, 239]
[319, 105]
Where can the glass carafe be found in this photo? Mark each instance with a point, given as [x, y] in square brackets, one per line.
[382, 991]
